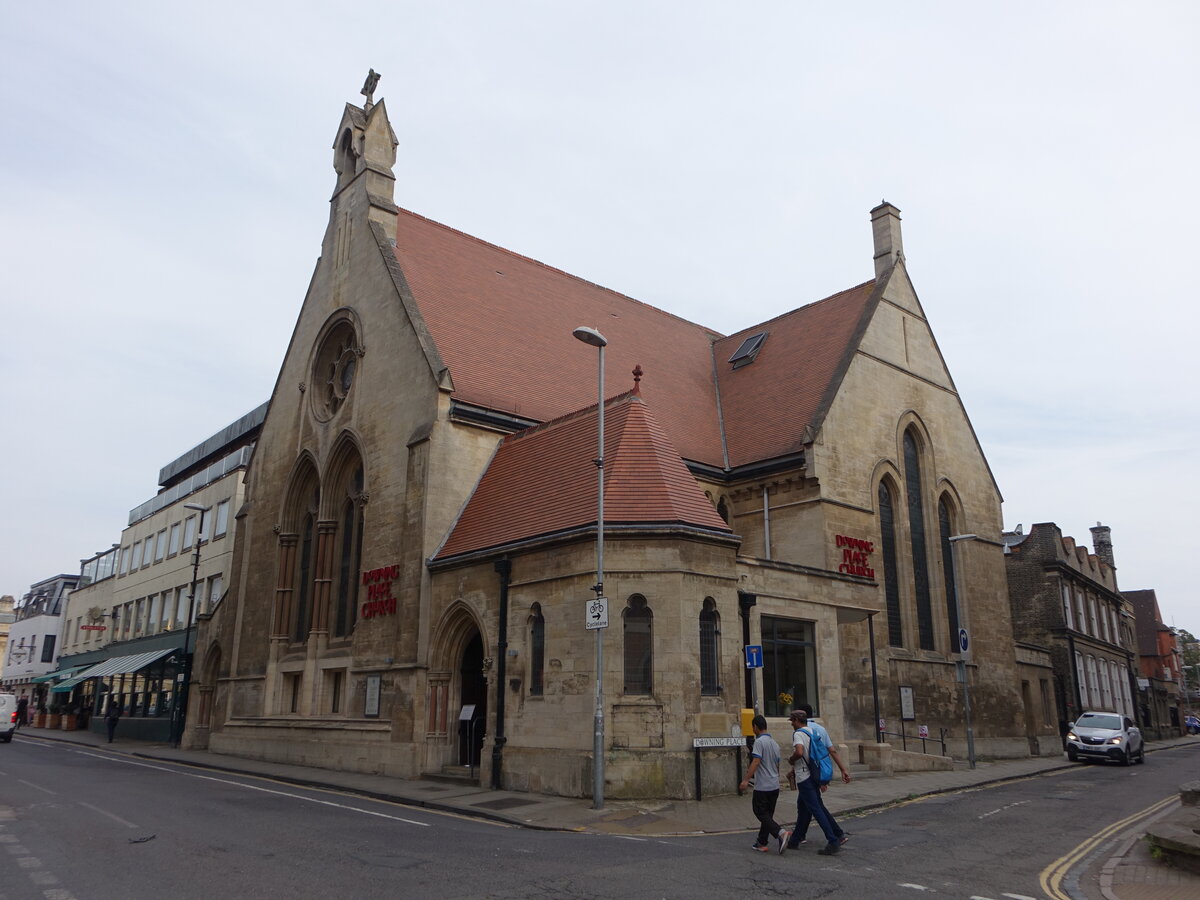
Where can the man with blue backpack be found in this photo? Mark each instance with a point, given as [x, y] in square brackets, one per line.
[813, 769]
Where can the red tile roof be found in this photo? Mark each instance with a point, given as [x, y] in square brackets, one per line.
[768, 404]
[502, 324]
[542, 481]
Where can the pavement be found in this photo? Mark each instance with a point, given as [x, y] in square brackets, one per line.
[1130, 873]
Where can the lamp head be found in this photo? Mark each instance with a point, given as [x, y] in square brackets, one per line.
[197, 507]
[590, 336]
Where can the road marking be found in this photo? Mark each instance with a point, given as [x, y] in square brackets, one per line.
[37, 787]
[106, 813]
[1018, 897]
[1002, 809]
[1052, 876]
[628, 837]
[914, 887]
[251, 787]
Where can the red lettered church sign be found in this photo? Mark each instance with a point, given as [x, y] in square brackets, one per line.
[380, 600]
[856, 556]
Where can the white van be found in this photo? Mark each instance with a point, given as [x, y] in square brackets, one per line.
[8, 716]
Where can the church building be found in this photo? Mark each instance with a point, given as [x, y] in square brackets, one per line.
[416, 555]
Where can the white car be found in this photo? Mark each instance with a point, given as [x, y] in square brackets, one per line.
[8, 716]
[1105, 735]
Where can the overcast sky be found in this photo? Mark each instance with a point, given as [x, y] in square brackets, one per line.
[165, 173]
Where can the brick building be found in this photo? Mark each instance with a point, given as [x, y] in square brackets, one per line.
[1160, 677]
[416, 549]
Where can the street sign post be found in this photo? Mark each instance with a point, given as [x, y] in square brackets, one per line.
[597, 614]
[964, 641]
[754, 656]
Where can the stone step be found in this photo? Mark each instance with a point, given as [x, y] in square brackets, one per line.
[461, 775]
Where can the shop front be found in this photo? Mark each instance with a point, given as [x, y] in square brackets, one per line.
[143, 686]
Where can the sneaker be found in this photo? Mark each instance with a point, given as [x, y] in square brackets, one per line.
[783, 838]
[830, 850]
[843, 839]
[761, 848]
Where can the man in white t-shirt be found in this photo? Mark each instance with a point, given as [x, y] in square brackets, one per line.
[809, 804]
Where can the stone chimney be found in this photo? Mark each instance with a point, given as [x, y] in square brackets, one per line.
[1102, 542]
[885, 227]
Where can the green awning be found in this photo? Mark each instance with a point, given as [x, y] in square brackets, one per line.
[118, 665]
[56, 676]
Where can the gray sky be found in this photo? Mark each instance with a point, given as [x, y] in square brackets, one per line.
[165, 175]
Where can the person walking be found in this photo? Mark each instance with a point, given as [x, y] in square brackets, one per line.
[112, 717]
[809, 804]
[22, 711]
[764, 774]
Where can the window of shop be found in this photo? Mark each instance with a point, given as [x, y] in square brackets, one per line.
[148, 552]
[135, 555]
[639, 648]
[710, 631]
[173, 542]
[789, 664]
[48, 648]
[537, 650]
[160, 546]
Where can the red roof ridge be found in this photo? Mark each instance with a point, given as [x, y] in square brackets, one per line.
[609, 402]
[792, 312]
[537, 262]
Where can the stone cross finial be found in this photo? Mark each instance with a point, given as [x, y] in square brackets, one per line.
[368, 88]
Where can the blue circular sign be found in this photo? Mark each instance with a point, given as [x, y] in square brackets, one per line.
[963, 641]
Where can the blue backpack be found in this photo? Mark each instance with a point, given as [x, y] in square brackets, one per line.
[819, 762]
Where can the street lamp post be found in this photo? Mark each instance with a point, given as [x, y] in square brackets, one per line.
[595, 339]
[964, 652]
[181, 706]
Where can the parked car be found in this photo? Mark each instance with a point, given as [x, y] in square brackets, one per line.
[1105, 735]
[8, 716]
[1192, 724]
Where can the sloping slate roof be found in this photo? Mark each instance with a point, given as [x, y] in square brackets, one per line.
[542, 481]
[502, 323]
[768, 403]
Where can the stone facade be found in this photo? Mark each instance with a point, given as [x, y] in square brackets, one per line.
[349, 641]
[1065, 599]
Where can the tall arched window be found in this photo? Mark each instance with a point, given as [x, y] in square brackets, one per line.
[350, 555]
[891, 574]
[944, 531]
[537, 650]
[916, 531]
[304, 579]
[710, 630]
[639, 647]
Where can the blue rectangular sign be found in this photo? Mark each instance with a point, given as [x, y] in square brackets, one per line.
[754, 656]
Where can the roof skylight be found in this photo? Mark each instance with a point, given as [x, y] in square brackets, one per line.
[745, 354]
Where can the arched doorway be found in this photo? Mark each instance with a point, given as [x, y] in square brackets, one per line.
[473, 693]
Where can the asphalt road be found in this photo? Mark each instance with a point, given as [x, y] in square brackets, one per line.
[76, 822]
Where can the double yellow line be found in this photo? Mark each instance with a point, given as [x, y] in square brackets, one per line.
[1052, 876]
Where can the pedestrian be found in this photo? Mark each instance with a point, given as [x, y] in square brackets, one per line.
[22, 711]
[112, 717]
[817, 729]
[764, 774]
[809, 804]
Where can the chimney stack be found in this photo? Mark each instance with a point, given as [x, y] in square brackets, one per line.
[1102, 542]
[885, 227]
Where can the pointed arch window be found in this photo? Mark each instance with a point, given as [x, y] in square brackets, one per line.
[304, 579]
[639, 646]
[916, 531]
[944, 532]
[350, 556]
[710, 631]
[537, 651]
[891, 575]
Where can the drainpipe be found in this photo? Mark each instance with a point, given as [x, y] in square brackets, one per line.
[504, 570]
[745, 601]
[766, 523]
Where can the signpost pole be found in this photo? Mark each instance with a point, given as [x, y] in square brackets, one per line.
[964, 644]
